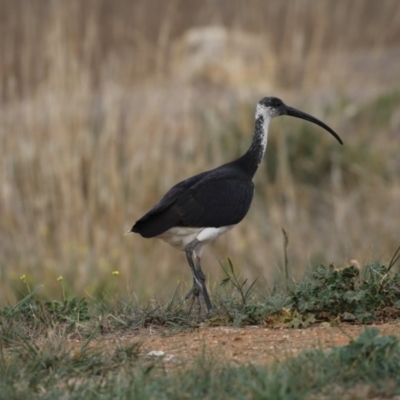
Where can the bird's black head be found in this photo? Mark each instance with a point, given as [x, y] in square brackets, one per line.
[270, 107]
[272, 102]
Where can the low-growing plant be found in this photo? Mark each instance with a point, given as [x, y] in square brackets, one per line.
[73, 310]
[348, 293]
[240, 286]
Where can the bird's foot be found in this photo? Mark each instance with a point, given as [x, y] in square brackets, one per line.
[195, 296]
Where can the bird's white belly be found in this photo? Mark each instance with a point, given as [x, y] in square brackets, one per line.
[180, 236]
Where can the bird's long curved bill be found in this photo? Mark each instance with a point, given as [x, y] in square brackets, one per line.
[302, 115]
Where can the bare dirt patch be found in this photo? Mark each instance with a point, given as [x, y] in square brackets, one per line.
[256, 344]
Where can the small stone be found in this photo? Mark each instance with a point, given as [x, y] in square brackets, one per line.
[156, 353]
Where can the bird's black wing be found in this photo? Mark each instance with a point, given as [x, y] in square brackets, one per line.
[215, 198]
[220, 199]
[146, 225]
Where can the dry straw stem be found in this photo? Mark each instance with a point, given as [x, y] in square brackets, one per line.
[96, 126]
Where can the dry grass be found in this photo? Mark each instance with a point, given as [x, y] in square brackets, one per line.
[96, 124]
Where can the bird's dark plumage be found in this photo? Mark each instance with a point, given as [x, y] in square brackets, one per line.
[215, 198]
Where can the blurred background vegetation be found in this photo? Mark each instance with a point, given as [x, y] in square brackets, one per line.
[106, 104]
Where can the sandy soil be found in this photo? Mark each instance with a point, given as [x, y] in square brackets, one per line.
[258, 345]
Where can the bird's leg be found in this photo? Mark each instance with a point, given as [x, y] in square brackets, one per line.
[198, 277]
[202, 278]
[193, 295]
[194, 292]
